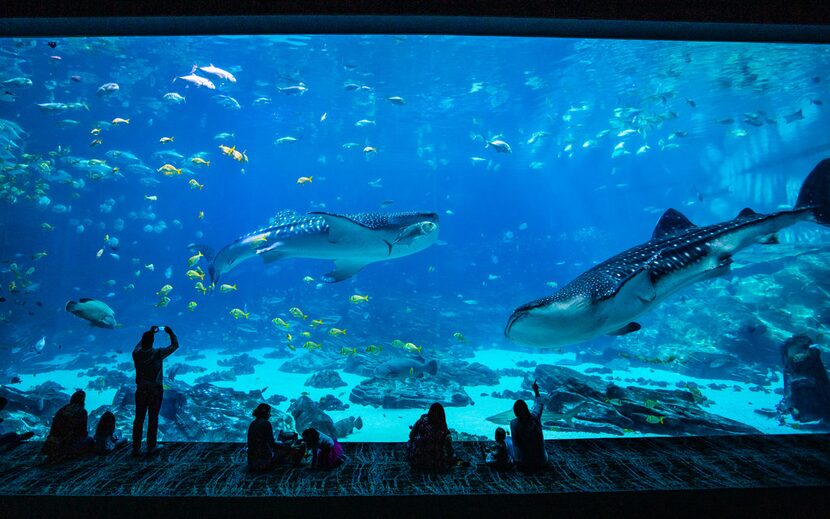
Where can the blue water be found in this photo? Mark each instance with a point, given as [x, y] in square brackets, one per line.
[513, 226]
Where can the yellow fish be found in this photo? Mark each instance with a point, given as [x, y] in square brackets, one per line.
[163, 302]
[225, 288]
[412, 348]
[311, 345]
[239, 156]
[289, 337]
[370, 149]
[334, 332]
[237, 313]
[96, 142]
[291, 347]
[200, 215]
[192, 260]
[191, 305]
[259, 240]
[306, 334]
[279, 322]
[359, 299]
[374, 349]
[195, 185]
[655, 419]
[296, 312]
[348, 351]
[164, 290]
[95, 131]
[304, 180]
[201, 287]
[119, 120]
[308, 279]
[199, 161]
[170, 169]
[165, 140]
[397, 343]
[192, 274]
[227, 150]
[151, 198]
[37, 255]
[315, 323]
[459, 337]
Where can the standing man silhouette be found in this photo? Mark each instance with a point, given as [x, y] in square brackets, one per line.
[149, 389]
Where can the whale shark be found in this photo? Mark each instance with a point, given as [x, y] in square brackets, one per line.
[608, 298]
[351, 240]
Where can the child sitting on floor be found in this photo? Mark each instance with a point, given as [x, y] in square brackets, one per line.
[499, 456]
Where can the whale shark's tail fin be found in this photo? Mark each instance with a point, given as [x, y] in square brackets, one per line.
[815, 193]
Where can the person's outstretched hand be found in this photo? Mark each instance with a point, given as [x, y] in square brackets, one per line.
[535, 388]
[154, 329]
[168, 330]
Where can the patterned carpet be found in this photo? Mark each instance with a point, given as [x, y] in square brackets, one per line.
[379, 469]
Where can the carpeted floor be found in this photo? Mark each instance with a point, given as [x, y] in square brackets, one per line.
[379, 469]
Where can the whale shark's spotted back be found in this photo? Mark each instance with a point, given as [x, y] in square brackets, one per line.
[289, 223]
[675, 245]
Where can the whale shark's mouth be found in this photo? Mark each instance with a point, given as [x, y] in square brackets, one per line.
[514, 317]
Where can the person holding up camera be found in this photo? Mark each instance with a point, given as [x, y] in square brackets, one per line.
[149, 389]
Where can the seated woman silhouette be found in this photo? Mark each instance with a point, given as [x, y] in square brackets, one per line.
[430, 444]
[68, 436]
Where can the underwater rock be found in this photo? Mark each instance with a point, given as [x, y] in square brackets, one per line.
[417, 393]
[312, 362]
[203, 412]
[467, 374]
[346, 426]
[526, 364]
[240, 364]
[332, 403]
[41, 402]
[326, 379]
[275, 400]
[307, 413]
[461, 436]
[513, 395]
[806, 385]
[511, 372]
[217, 376]
[577, 402]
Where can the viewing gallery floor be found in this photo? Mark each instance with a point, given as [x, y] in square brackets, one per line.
[747, 473]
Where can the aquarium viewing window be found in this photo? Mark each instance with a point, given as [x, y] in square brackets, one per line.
[351, 227]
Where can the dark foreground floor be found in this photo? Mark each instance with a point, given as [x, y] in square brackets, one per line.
[766, 475]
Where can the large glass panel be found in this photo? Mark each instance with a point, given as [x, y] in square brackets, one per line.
[207, 183]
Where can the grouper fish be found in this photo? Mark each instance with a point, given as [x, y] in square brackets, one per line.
[351, 240]
[608, 298]
[96, 312]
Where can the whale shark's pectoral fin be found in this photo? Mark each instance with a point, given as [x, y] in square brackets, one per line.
[638, 286]
[342, 228]
[271, 253]
[344, 269]
[628, 328]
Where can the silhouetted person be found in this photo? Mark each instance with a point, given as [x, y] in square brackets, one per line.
[68, 434]
[11, 439]
[107, 439]
[430, 444]
[149, 390]
[500, 455]
[326, 453]
[265, 453]
[526, 430]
